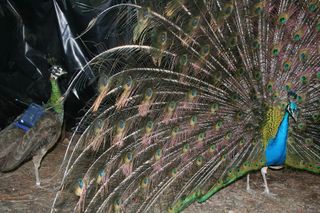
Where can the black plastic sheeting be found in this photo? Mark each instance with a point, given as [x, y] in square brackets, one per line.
[36, 34]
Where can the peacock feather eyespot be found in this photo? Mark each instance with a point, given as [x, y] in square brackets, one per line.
[228, 135]
[193, 120]
[185, 148]
[255, 44]
[145, 182]
[258, 8]
[116, 204]
[212, 148]
[174, 172]
[313, 6]
[228, 9]
[128, 83]
[158, 154]
[121, 124]
[194, 22]
[199, 161]
[303, 79]
[275, 51]
[232, 41]
[218, 124]
[98, 125]
[192, 94]
[275, 96]
[257, 75]
[283, 18]
[149, 93]
[316, 117]
[287, 66]
[270, 87]
[308, 141]
[102, 82]
[201, 136]
[102, 173]
[288, 86]
[300, 99]
[296, 37]
[175, 131]
[214, 108]
[291, 140]
[172, 106]
[183, 60]
[149, 126]
[80, 183]
[301, 126]
[205, 50]
[318, 27]
[318, 75]
[163, 37]
[128, 157]
[303, 55]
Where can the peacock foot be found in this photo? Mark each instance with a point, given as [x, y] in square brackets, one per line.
[269, 194]
[250, 191]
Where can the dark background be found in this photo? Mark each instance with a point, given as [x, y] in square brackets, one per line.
[36, 34]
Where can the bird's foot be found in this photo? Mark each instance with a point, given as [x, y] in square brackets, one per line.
[250, 191]
[38, 184]
[269, 194]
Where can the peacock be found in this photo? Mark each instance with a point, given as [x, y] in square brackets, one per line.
[204, 93]
[23, 140]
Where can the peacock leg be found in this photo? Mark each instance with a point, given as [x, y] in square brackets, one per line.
[36, 162]
[266, 188]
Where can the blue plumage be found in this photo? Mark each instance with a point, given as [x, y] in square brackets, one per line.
[277, 146]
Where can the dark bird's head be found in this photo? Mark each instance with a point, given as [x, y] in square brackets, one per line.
[56, 72]
[292, 107]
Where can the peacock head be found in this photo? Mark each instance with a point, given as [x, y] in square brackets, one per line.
[56, 72]
[292, 107]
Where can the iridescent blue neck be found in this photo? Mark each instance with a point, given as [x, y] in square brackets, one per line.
[282, 133]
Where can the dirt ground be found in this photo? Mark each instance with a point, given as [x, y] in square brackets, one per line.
[296, 191]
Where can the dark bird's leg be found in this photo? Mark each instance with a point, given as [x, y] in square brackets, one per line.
[36, 159]
[249, 190]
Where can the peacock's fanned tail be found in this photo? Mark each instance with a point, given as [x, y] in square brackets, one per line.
[187, 106]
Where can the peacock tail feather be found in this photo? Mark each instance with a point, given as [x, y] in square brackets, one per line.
[187, 106]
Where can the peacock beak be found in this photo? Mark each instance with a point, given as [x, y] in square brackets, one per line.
[294, 116]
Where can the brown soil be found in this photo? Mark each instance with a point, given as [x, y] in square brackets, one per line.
[296, 191]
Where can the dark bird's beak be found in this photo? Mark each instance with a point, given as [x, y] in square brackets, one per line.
[294, 115]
